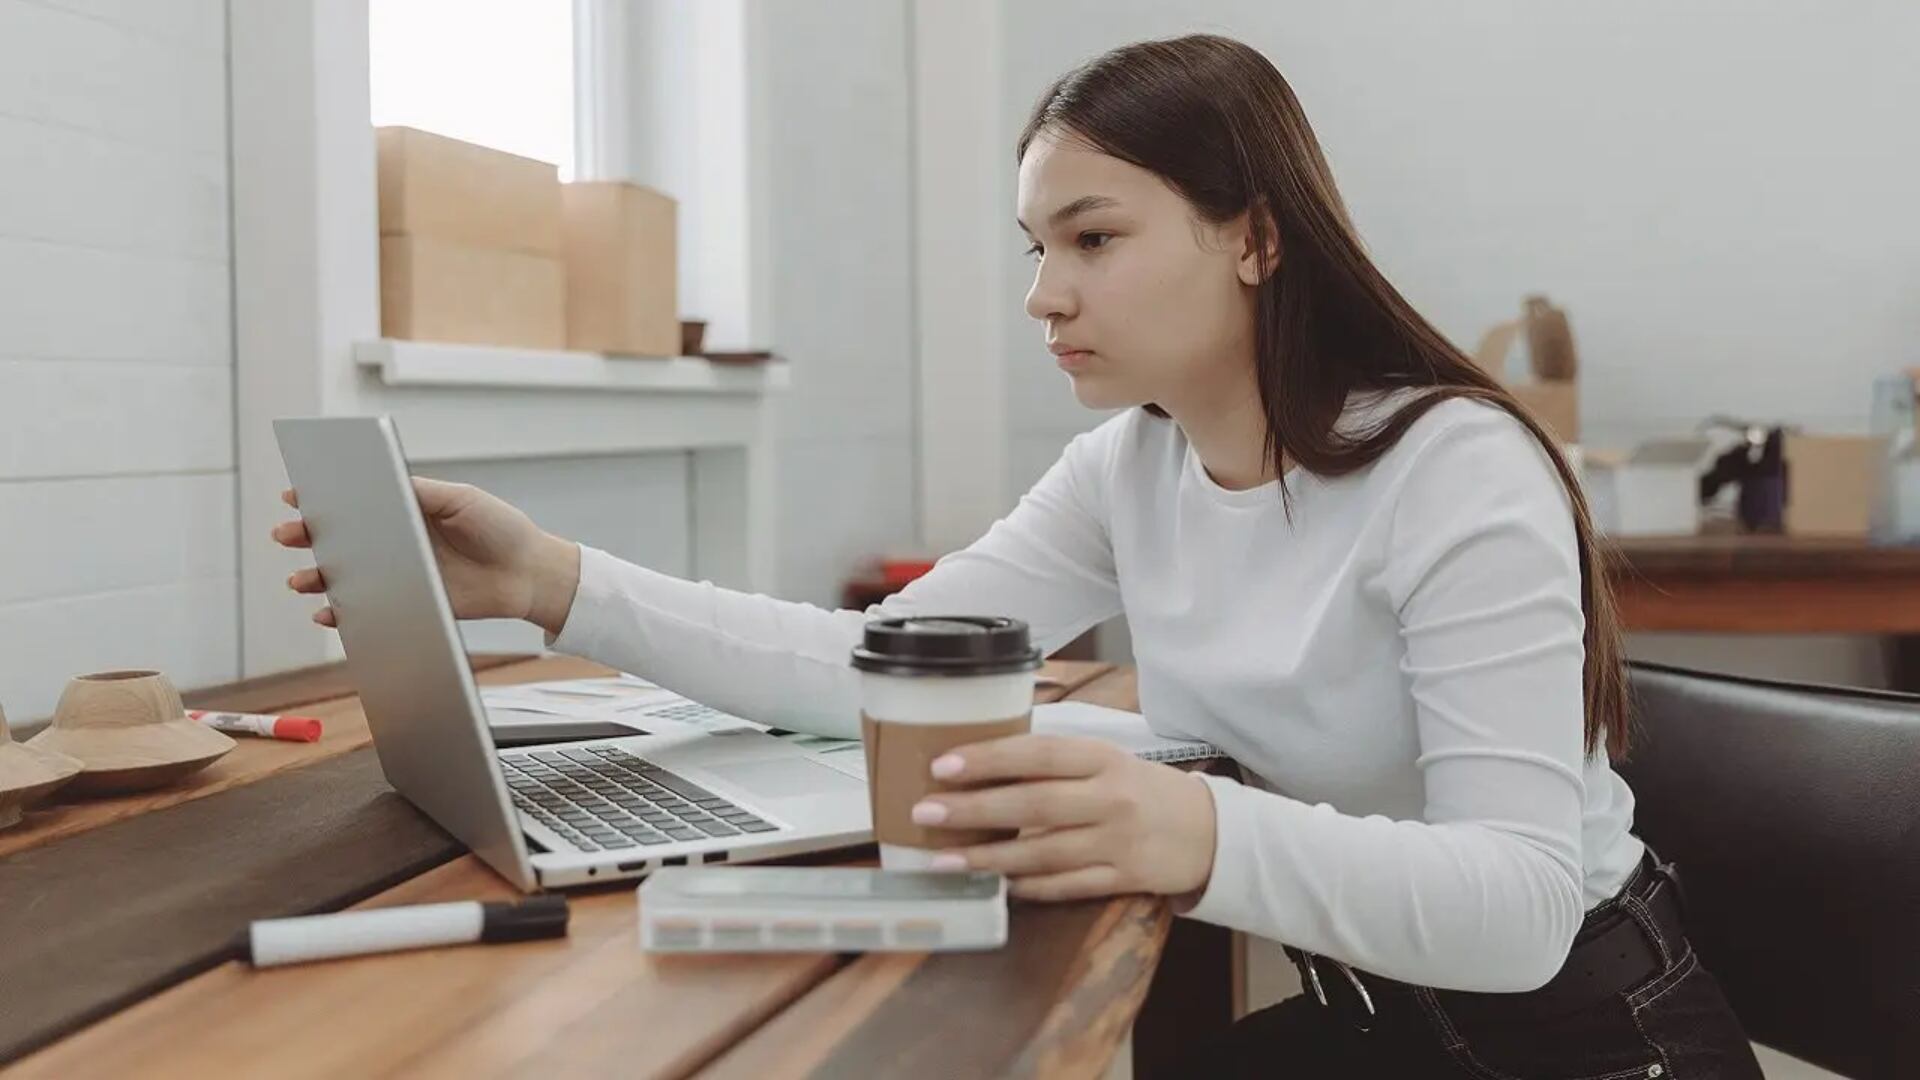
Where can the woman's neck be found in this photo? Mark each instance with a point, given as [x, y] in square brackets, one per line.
[1227, 428]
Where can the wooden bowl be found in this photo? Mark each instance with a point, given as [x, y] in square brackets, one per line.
[28, 774]
[130, 732]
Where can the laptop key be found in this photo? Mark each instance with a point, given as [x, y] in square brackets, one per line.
[716, 828]
[756, 825]
[682, 832]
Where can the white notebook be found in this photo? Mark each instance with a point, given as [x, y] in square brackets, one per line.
[1125, 729]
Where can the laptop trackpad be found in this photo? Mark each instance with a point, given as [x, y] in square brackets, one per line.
[783, 778]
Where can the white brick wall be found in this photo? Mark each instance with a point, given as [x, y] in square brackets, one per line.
[116, 354]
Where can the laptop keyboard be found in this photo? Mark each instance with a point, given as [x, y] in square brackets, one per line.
[602, 798]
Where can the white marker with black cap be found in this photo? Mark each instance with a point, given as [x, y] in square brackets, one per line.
[273, 942]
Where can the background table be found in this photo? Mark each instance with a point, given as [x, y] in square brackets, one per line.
[1768, 584]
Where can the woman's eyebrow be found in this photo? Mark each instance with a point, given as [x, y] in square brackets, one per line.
[1082, 205]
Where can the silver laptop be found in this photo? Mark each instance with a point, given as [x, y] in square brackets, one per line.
[544, 817]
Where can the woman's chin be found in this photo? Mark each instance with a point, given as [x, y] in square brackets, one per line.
[1097, 393]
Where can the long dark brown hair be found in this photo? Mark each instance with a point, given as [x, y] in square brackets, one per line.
[1214, 119]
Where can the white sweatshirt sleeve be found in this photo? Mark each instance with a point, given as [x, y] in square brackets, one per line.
[1484, 893]
[1049, 562]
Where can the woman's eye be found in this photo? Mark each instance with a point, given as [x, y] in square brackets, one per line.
[1034, 250]
[1094, 241]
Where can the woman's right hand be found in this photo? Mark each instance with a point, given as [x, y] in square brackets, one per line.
[497, 564]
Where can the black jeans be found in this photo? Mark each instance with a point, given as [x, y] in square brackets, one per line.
[1633, 1000]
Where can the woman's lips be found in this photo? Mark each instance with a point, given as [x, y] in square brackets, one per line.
[1073, 359]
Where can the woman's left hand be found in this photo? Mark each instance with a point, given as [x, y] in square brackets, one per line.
[1095, 820]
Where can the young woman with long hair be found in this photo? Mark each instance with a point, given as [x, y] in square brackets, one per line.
[1348, 558]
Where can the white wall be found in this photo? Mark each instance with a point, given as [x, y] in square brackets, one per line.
[837, 167]
[116, 428]
[1720, 193]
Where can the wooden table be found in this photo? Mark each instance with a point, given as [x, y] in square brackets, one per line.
[1057, 1001]
[1768, 585]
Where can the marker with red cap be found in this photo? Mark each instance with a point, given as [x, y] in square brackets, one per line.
[290, 728]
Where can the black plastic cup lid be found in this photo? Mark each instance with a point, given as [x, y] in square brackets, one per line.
[946, 645]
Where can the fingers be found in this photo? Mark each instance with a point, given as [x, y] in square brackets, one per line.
[1079, 884]
[1025, 757]
[1040, 853]
[292, 534]
[436, 497]
[1047, 804]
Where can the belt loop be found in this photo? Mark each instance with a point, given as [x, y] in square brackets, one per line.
[1303, 960]
[1310, 975]
[1366, 999]
[1671, 872]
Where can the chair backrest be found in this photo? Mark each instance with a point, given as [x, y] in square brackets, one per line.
[1793, 813]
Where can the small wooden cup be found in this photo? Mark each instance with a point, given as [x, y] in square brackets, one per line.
[130, 731]
[28, 774]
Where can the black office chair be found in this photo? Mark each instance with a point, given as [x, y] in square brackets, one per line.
[1793, 813]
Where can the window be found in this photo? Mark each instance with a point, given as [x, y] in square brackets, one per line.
[495, 72]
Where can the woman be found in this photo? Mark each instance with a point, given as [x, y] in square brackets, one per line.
[1347, 557]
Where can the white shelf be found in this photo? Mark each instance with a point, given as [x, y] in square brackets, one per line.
[432, 364]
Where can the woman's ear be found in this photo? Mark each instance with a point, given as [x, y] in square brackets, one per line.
[1260, 247]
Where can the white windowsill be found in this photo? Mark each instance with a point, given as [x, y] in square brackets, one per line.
[432, 364]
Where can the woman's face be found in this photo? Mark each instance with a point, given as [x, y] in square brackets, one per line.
[1142, 300]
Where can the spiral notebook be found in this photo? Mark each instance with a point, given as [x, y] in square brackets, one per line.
[1127, 730]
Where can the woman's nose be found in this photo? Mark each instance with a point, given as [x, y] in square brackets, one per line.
[1050, 297]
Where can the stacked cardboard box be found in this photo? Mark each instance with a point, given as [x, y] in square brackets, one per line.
[470, 243]
[1834, 484]
[622, 269]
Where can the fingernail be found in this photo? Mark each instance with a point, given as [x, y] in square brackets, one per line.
[947, 765]
[948, 862]
[929, 813]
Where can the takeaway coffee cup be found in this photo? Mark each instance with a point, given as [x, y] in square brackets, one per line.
[929, 684]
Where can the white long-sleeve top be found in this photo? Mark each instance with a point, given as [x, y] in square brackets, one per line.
[1397, 669]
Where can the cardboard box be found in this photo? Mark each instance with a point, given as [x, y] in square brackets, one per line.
[431, 290]
[1651, 490]
[444, 189]
[622, 269]
[1555, 404]
[1833, 484]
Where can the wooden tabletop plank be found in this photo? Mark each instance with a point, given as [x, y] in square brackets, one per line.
[1116, 688]
[591, 1004]
[108, 918]
[1062, 994]
[1755, 556]
[344, 729]
[1772, 605]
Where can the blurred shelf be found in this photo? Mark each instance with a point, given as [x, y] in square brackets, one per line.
[433, 364]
